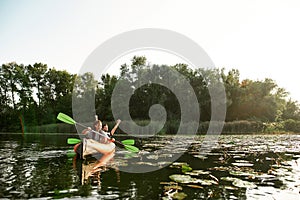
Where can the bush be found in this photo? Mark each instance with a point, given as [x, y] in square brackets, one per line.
[141, 129]
[171, 127]
[51, 128]
[243, 126]
[291, 125]
[273, 127]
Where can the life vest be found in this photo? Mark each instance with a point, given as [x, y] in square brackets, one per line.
[103, 137]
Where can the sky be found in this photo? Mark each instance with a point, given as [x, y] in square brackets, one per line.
[260, 38]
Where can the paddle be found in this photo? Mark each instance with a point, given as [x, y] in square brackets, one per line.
[65, 118]
[71, 153]
[76, 141]
[128, 142]
[73, 141]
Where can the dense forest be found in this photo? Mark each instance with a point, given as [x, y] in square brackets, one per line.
[33, 95]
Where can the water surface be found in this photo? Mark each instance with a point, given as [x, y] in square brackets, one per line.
[238, 167]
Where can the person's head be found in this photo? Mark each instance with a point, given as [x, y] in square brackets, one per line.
[105, 127]
[97, 124]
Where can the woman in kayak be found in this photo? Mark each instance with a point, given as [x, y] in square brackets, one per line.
[111, 133]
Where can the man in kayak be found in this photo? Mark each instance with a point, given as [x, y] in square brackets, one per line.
[97, 141]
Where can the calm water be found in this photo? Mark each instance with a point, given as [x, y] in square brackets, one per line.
[238, 167]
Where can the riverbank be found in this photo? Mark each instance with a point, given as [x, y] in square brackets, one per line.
[171, 127]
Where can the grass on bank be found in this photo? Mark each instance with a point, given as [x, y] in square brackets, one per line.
[171, 127]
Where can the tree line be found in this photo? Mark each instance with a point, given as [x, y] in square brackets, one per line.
[34, 94]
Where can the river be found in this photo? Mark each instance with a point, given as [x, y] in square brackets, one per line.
[236, 167]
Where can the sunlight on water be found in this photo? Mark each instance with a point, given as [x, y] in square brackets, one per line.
[237, 167]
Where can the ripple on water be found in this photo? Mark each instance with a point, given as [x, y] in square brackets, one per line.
[268, 165]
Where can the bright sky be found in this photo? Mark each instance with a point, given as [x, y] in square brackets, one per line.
[261, 38]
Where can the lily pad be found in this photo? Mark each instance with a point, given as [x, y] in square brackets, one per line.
[152, 157]
[242, 164]
[195, 186]
[179, 195]
[163, 163]
[207, 182]
[221, 168]
[200, 156]
[186, 168]
[243, 184]
[197, 172]
[146, 163]
[167, 183]
[172, 187]
[178, 164]
[231, 179]
[240, 173]
[230, 188]
[179, 178]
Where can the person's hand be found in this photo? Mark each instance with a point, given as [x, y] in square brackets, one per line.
[112, 140]
[85, 131]
[118, 121]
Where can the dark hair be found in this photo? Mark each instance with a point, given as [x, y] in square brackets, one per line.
[104, 125]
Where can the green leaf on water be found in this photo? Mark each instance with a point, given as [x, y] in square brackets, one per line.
[242, 164]
[186, 168]
[197, 172]
[226, 187]
[179, 196]
[240, 173]
[172, 187]
[195, 186]
[201, 157]
[207, 182]
[243, 184]
[239, 183]
[178, 164]
[179, 178]
[231, 179]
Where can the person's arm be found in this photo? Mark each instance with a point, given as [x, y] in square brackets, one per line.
[115, 127]
[85, 131]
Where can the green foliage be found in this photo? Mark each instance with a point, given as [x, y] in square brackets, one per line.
[273, 127]
[186, 168]
[33, 93]
[31, 96]
[103, 96]
[243, 126]
[291, 111]
[291, 125]
[52, 128]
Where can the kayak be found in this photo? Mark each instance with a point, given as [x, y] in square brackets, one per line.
[91, 147]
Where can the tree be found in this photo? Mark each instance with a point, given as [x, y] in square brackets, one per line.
[9, 75]
[24, 87]
[103, 96]
[84, 97]
[291, 110]
[4, 87]
[56, 93]
[37, 75]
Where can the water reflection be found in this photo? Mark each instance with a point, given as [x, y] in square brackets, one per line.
[238, 167]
